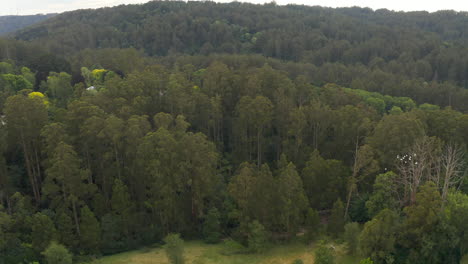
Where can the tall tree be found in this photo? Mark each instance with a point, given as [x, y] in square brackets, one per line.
[67, 182]
[292, 199]
[254, 116]
[25, 117]
[384, 195]
[336, 220]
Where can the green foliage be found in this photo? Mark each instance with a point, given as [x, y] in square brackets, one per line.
[457, 210]
[324, 254]
[324, 180]
[6, 68]
[113, 239]
[298, 261]
[208, 123]
[366, 261]
[383, 196]
[425, 231]
[358, 211]
[16, 83]
[336, 220]
[90, 231]
[312, 224]
[43, 231]
[257, 237]
[123, 208]
[211, 227]
[57, 254]
[292, 199]
[174, 249]
[66, 229]
[59, 88]
[395, 134]
[231, 247]
[377, 239]
[351, 236]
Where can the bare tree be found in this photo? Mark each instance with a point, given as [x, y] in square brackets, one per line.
[420, 164]
[453, 166]
[426, 161]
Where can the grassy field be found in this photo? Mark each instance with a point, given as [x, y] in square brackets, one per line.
[199, 253]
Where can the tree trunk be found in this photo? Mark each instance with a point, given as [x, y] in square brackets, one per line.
[117, 161]
[259, 158]
[75, 216]
[29, 169]
[353, 181]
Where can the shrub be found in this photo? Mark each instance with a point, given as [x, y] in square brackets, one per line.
[257, 237]
[174, 248]
[324, 254]
[57, 254]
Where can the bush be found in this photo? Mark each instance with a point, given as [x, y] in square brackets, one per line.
[57, 254]
[324, 254]
[174, 248]
[258, 237]
[366, 261]
[232, 247]
[298, 261]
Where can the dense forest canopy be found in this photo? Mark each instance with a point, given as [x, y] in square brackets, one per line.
[122, 125]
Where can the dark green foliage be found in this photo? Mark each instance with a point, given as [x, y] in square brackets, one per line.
[292, 200]
[90, 231]
[358, 211]
[257, 237]
[312, 224]
[212, 227]
[66, 230]
[324, 180]
[457, 205]
[324, 254]
[298, 261]
[113, 239]
[43, 231]
[425, 231]
[306, 107]
[336, 220]
[383, 195]
[174, 249]
[377, 239]
[57, 254]
[351, 236]
[123, 211]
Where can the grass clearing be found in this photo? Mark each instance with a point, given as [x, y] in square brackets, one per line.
[197, 252]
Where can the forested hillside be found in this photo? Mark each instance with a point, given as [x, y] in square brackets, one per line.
[255, 123]
[12, 23]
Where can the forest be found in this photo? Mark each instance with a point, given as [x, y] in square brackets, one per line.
[235, 123]
[10, 24]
